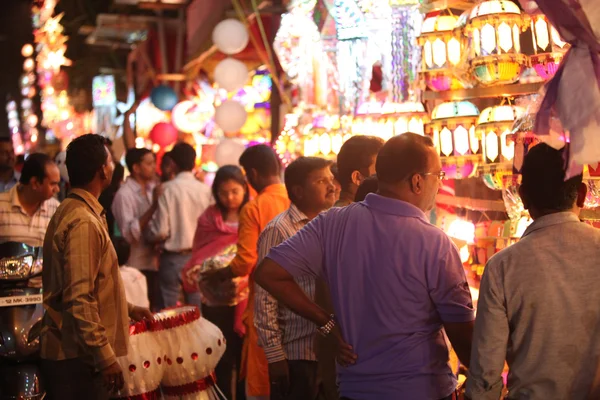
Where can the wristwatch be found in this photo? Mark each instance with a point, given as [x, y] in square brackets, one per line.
[326, 329]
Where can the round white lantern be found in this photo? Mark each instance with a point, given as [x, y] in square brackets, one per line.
[230, 116]
[231, 74]
[230, 36]
[228, 152]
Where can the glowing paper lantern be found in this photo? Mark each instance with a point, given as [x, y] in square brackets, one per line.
[494, 126]
[164, 97]
[230, 36]
[191, 117]
[228, 152]
[163, 134]
[494, 28]
[231, 74]
[230, 116]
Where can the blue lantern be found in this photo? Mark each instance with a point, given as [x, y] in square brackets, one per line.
[164, 98]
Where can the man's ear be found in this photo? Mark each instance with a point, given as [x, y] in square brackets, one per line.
[581, 194]
[357, 178]
[416, 183]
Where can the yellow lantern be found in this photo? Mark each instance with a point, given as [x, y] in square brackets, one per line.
[494, 28]
[548, 46]
[452, 129]
[494, 127]
[322, 143]
[440, 51]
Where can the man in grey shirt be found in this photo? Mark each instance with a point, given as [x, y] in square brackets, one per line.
[538, 302]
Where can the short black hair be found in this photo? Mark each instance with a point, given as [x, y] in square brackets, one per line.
[35, 167]
[297, 172]
[262, 158]
[86, 155]
[356, 154]
[402, 157]
[5, 139]
[184, 156]
[369, 185]
[135, 156]
[544, 183]
[335, 171]
[229, 173]
[123, 250]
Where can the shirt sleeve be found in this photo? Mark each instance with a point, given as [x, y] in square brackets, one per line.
[448, 287]
[124, 209]
[245, 259]
[266, 308]
[490, 339]
[159, 227]
[82, 252]
[302, 254]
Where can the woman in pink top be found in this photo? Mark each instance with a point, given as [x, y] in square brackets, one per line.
[214, 247]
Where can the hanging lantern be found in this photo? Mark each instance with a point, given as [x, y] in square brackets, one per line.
[452, 129]
[440, 51]
[494, 28]
[548, 46]
[494, 127]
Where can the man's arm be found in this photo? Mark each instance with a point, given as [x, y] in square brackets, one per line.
[124, 209]
[490, 338]
[281, 284]
[266, 307]
[159, 228]
[82, 264]
[449, 290]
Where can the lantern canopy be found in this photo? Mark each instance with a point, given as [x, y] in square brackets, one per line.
[494, 28]
[441, 50]
[452, 129]
[494, 127]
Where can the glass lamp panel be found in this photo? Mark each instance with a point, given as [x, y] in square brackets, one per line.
[491, 146]
[517, 38]
[473, 140]
[505, 37]
[428, 55]
[311, 146]
[416, 126]
[336, 143]
[541, 34]
[436, 139]
[476, 43]
[446, 141]
[439, 52]
[461, 140]
[488, 39]
[556, 38]
[454, 51]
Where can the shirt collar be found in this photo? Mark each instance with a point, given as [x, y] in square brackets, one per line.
[135, 185]
[394, 206]
[275, 188]
[551, 220]
[90, 200]
[296, 216]
[16, 203]
[185, 175]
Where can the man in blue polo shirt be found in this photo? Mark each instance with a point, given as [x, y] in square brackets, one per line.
[396, 282]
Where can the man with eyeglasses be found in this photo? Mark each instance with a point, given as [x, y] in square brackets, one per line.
[396, 282]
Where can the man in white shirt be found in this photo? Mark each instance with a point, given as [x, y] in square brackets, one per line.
[174, 223]
[134, 206]
[538, 301]
[26, 209]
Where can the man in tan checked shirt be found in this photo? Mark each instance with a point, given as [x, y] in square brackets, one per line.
[85, 327]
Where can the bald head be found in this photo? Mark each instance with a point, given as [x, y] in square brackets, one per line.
[403, 156]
